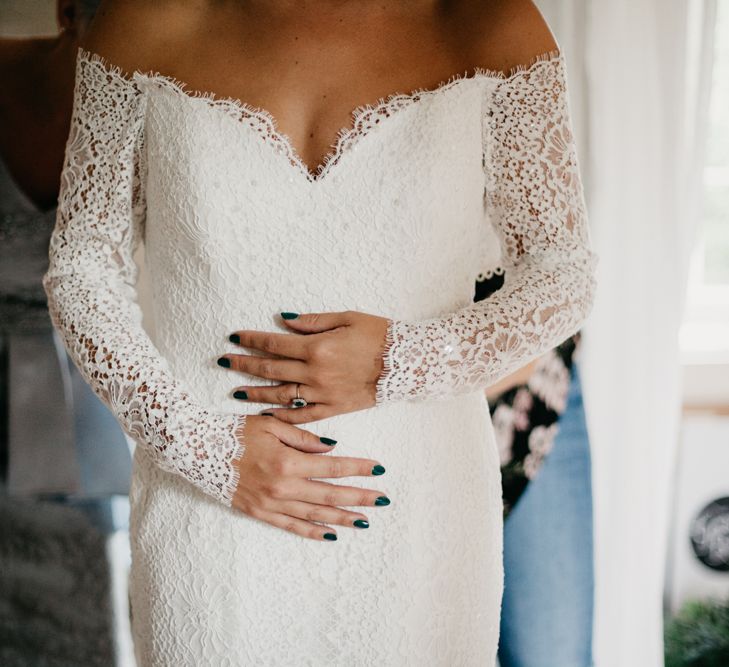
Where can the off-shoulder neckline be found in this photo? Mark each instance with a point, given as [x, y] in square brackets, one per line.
[361, 117]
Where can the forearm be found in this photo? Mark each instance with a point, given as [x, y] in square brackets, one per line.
[91, 292]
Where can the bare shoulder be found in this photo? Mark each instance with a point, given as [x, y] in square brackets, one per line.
[504, 34]
[141, 34]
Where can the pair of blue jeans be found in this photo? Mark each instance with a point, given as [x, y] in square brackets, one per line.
[547, 609]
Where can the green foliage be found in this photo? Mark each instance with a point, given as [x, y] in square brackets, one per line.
[699, 636]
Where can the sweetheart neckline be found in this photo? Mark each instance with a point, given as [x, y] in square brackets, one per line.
[346, 137]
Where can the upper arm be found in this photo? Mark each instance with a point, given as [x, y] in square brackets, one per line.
[137, 34]
[509, 34]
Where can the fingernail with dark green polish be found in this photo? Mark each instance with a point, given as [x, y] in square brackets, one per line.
[234, 338]
[289, 316]
[361, 523]
[240, 395]
[328, 441]
[225, 363]
[382, 501]
[267, 414]
[378, 470]
[330, 536]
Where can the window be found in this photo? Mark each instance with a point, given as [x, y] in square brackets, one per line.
[714, 255]
[705, 333]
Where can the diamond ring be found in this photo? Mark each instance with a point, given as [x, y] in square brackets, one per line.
[298, 402]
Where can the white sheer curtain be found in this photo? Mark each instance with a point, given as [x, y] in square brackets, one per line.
[631, 63]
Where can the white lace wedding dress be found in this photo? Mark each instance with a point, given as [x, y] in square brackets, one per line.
[426, 190]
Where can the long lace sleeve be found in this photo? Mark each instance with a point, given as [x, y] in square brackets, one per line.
[533, 197]
[91, 292]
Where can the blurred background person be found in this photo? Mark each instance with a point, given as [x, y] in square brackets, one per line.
[63, 459]
[539, 422]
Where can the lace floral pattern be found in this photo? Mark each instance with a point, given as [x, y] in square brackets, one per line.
[534, 199]
[220, 195]
[90, 287]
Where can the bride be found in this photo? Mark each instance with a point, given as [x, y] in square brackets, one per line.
[317, 185]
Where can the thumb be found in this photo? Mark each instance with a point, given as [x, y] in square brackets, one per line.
[314, 322]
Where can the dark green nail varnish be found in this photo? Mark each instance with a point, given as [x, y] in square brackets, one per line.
[328, 441]
[330, 536]
[225, 363]
[289, 316]
[234, 338]
[378, 470]
[240, 395]
[361, 523]
[382, 501]
[267, 414]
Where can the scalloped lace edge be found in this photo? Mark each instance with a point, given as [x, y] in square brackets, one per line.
[347, 136]
[386, 356]
[228, 492]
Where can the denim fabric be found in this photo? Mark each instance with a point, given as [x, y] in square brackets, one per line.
[547, 607]
[104, 458]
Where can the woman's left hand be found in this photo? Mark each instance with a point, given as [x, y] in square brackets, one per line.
[334, 358]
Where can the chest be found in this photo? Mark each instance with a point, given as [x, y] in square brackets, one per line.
[426, 139]
[311, 66]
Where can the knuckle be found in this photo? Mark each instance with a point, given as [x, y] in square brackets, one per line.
[270, 345]
[330, 498]
[282, 394]
[343, 518]
[276, 489]
[321, 351]
[336, 468]
[265, 368]
[283, 467]
[366, 499]
[314, 515]
[290, 526]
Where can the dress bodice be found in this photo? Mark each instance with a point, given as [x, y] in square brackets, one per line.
[256, 235]
[423, 192]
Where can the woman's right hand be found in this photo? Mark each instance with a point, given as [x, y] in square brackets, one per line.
[280, 473]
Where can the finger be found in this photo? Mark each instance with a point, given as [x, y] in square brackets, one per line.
[324, 493]
[281, 345]
[316, 322]
[310, 413]
[283, 370]
[330, 467]
[281, 394]
[323, 514]
[298, 438]
[298, 526]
